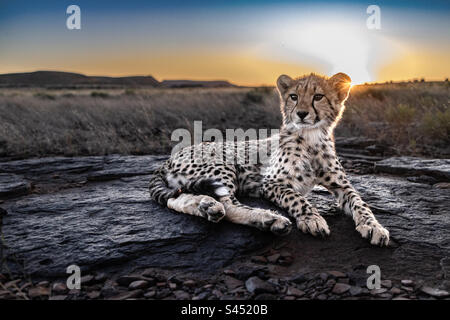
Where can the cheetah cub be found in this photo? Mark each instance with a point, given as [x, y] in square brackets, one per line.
[201, 180]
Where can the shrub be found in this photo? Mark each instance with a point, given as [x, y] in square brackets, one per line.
[44, 95]
[99, 94]
[436, 124]
[401, 115]
[129, 92]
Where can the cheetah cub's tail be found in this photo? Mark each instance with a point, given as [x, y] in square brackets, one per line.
[161, 192]
[206, 186]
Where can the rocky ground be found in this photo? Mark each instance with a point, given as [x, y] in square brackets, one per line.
[94, 212]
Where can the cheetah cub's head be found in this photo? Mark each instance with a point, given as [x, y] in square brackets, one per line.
[312, 101]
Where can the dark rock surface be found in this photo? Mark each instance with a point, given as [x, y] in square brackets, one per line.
[13, 185]
[95, 212]
[436, 168]
[111, 225]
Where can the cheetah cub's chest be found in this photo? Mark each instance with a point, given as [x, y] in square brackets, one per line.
[298, 160]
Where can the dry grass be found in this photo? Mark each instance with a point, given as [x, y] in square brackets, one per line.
[36, 122]
[97, 123]
[413, 118]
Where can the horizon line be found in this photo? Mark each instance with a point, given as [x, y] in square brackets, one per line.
[444, 79]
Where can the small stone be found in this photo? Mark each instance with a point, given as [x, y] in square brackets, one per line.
[100, 277]
[355, 291]
[337, 274]
[324, 276]
[409, 289]
[273, 258]
[5, 294]
[43, 284]
[201, 296]
[289, 298]
[299, 278]
[38, 292]
[343, 280]
[109, 289]
[434, 292]
[375, 292]
[128, 295]
[340, 288]
[408, 283]
[93, 294]
[150, 294]
[265, 296]
[59, 287]
[322, 297]
[395, 290]
[386, 283]
[400, 298]
[25, 286]
[148, 273]
[330, 283]
[126, 280]
[172, 285]
[87, 279]
[161, 284]
[163, 293]
[229, 272]
[139, 284]
[174, 279]
[285, 253]
[292, 291]
[189, 283]
[232, 283]
[58, 297]
[286, 261]
[181, 295]
[442, 185]
[259, 259]
[12, 283]
[256, 285]
[217, 293]
[74, 292]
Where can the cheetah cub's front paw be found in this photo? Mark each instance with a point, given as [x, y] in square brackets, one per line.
[375, 232]
[281, 226]
[211, 209]
[313, 224]
[274, 223]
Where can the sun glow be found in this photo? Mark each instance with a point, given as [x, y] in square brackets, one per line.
[338, 47]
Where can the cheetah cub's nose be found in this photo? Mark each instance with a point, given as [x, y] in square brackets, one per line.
[302, 114]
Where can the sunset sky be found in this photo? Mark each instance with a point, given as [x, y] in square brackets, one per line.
[245, 42]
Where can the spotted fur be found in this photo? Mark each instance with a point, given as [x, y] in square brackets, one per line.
[205, 179]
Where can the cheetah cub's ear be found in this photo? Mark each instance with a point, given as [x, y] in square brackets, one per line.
[283, 83]
[342, 84]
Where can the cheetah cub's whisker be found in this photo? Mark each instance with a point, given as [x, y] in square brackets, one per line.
[304, 156]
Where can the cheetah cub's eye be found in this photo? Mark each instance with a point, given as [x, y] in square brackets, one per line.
[293, 97]
[318, 97]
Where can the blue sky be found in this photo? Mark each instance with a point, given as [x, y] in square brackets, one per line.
[247, 42]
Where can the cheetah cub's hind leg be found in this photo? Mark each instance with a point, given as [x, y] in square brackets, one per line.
[198, 205]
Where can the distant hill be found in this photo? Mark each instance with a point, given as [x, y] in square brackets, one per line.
[195, 83]
[62, 80]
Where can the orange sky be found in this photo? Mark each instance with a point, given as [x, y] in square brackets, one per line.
[247, 45]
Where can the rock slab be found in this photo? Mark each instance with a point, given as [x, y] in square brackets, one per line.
[95, 212]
